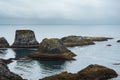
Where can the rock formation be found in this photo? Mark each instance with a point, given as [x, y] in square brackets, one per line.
[5, 73]
[71, 41]
[98, 38]
[25, 39]
[92, 72]
[52, 49]
[3, 43]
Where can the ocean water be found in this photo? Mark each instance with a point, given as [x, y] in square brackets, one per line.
[99, 53]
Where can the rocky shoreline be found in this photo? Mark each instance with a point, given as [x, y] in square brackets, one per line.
[91, 72]
[55, 49]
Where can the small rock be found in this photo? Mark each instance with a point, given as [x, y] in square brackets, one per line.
[109, 45]
[118, 41]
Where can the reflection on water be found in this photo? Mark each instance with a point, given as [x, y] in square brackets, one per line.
[34, 70]
[52, 66]
[22, 52]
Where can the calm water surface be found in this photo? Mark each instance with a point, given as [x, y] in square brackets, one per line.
[86, 55]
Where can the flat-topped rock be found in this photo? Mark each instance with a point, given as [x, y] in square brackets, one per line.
[6, 74]
[25, 39]
[71, 41]
[52, 49]
[4, 43]
[92, 72]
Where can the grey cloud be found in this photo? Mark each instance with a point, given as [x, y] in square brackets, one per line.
[60, 11]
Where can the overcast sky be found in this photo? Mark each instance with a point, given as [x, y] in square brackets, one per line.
[59, 11]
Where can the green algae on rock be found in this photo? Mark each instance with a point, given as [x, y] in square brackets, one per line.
[4, 43]
[25, 39]
[52, 49]
[92, 72]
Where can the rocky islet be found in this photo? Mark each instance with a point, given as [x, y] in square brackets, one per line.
[52, 49]
[25, 39]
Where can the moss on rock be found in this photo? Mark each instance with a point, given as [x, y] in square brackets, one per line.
[52, 49]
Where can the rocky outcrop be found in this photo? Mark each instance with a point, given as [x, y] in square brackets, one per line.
[92, 72]
[98, 38]
[71, 41]
[97, 72]
[4, 43]
[52, 49]
[5, 73]
[25, 39]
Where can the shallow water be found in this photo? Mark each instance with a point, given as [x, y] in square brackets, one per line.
[86, 55]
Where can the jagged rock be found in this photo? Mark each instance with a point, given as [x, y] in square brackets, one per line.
[52, 49]
[118, 41]
[98, 38]
[5, 73]
[92, 72]
[3, 43]
[25, 39]
[71, 41]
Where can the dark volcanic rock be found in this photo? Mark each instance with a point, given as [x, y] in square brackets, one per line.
[3, 43]
[5, 73]
[25, 39]
[118, 41]
[92, 72]
[52, 49]
[71, 41]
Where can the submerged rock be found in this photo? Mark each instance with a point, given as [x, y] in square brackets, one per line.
[118, 41]
[71, 41]
[25, 39]
[52, 49]
[92, 72]
[4, 43]
[5, 73]
[109, 45]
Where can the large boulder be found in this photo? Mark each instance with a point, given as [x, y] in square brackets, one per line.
[52, 49]
[6, 74]
[25, 39]
[4, 43]
[71, 41]
[92, 72]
